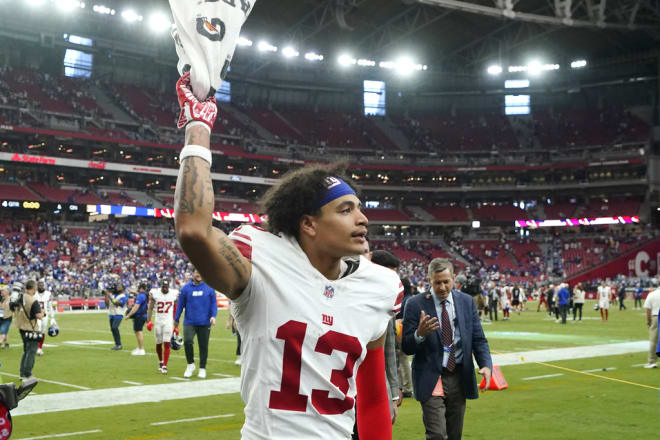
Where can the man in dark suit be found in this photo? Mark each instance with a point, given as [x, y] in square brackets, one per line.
[442, 330]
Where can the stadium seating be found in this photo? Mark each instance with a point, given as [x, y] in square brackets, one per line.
[448, 213]
[499, 213]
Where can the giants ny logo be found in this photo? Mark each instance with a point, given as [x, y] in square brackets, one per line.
[327, 319]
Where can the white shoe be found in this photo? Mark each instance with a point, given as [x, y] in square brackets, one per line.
[189, 370]
[238, 361]
[39, 352]
[138, 352]
[651, 366]
[202, 373]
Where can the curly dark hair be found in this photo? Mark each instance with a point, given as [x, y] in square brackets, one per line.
[297, 193]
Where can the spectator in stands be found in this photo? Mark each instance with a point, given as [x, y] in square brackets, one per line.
[652, 306]
[139, 315]
[5, 318]
[200, 303]
[115, 301]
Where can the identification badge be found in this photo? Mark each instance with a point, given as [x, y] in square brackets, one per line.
[445, 357]
[438, 391]
[2, 313]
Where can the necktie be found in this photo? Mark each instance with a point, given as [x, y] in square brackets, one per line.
[448, 337]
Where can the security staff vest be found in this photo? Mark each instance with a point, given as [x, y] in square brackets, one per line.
[23, 321]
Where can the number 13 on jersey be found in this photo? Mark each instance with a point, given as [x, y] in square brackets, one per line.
[288, 398]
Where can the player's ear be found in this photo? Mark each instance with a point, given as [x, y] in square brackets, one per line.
[308, 225]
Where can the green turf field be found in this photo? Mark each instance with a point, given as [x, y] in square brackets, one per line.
[545, 400]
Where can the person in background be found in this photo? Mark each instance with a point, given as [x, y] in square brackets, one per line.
[563, 296]
[622, 296]
[443, 331]
[139, 315]
[638, 298]
[115, 301]
[5, 318]
[652, 306]
[578, 300]
[201, 306]
[27, 313]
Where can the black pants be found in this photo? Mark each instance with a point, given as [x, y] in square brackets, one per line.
[114, 328]
[238, 344]
[30, 345]
[203, 333]
[576, 307]
[638, 303]
[492, 308]
[621, 306]
[563, 310]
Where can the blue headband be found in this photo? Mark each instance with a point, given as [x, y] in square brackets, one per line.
[335, 188]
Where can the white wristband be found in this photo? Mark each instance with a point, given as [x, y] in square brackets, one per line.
[195, 150]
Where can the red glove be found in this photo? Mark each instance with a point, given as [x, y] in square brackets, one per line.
[176, 330]
[150, 325]
[191, 108]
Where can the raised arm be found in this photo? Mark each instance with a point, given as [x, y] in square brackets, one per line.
[209, 249]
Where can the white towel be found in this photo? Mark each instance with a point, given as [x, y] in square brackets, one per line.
[205, 33]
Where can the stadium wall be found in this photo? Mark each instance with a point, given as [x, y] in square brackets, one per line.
[642, 262]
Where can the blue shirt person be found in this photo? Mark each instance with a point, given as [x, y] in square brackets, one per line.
[139, 315]
[200, 303]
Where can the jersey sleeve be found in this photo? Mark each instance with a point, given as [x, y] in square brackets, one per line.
[399, 299]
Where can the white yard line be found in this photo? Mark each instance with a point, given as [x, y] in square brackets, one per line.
[66, 434]
[132, 383]
[77, 400]
[192, 420]
[52, 381]
[542, 377]
[222, 375]
[569, 353]
[187, 389]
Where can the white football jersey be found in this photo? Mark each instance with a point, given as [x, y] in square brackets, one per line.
[603, 292]
[303, 338]
[45, 301]
[163, 304]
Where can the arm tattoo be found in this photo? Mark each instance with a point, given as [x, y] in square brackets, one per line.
[232, 258]
[186, 195]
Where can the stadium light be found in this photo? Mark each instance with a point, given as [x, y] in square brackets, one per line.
[346, 60]
[159, 22]
[131, 16]
[100, 9]
[242, 41]
[69, 5]
[534, 67]
[290, 52]
[405, 66]
[386, 64]
[494, 69]
[577, 64]
[311, 56]
[366, 63]
[265, 46]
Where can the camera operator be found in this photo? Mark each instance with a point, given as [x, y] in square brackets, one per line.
[27, 313]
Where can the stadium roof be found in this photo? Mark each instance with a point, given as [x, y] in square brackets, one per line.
[451, 35]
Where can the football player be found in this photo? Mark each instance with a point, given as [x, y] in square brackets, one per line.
[163, 301]
[44, 297]
[312, 324]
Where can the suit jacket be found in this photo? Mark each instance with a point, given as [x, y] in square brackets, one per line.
[427, 360]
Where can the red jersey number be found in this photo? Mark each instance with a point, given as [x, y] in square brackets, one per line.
[288, 398]
[163, 307]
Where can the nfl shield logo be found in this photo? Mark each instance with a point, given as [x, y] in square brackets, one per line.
[329, 292]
